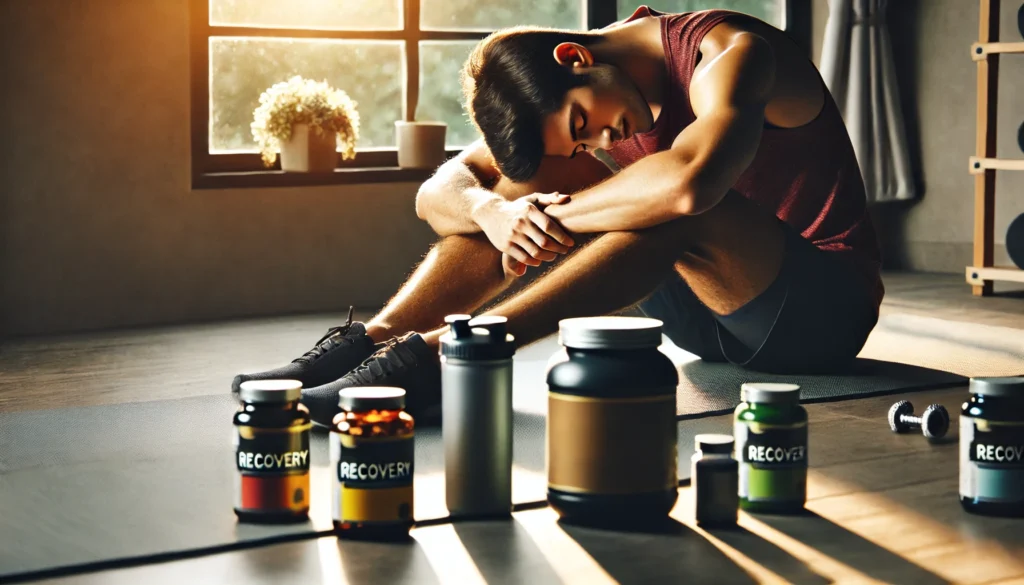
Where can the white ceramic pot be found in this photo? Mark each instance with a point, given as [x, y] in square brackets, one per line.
[309, 152]
[420, 144]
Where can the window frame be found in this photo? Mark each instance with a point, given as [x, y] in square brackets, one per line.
[233, 170]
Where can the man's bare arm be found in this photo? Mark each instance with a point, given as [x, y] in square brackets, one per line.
[468, 195]
[448, 199]
[728, 97]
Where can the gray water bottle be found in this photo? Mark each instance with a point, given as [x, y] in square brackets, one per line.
[476, 411]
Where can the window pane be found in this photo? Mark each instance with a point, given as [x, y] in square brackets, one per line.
[492, 14]
[324, 14]
[770, 11]
[371, 72]
[440, 89]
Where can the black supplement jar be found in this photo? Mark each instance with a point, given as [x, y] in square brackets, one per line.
[611, 428]
[714, 479]
[271, 453]
[992, 447]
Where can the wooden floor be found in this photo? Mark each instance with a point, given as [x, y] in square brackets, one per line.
[882, 507]
[946, 296]
[200, 359]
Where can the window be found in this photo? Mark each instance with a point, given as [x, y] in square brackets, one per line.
[392, 57]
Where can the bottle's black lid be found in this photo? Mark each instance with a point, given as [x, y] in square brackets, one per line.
[482, 338]
[714, 443]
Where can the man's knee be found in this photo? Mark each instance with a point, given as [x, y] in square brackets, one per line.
[733, 225]
[471, 250]
[673, 239]
[471, 244]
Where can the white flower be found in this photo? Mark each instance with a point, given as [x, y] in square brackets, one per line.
[304, 101]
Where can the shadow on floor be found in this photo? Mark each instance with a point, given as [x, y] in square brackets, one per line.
[369, 563]
[938, 502]
[769, 556]
[667, 553]
[503, 552]
[850, 549]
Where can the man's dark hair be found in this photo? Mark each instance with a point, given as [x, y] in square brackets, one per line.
[511, 82]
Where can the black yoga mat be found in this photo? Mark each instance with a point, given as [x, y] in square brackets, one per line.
[81, 485]
[706, 389]
[85, 486]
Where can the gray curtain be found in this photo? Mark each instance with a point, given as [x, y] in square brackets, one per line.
[857, 66]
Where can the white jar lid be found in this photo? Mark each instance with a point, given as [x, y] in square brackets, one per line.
[270, 391]
[1003, 386]
[769, 392]
[610, 333]
[371, 398]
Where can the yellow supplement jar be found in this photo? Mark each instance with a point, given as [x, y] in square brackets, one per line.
[371, 448]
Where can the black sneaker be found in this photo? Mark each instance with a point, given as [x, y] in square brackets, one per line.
[336, 354]
[404, 362]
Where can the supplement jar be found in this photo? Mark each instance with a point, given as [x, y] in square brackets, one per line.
[611, 429]
[992, 447]
[714, 478]
[271, 452]
[371, 448]
[771, 447]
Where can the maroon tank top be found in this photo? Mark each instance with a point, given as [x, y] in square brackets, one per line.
[807, 176]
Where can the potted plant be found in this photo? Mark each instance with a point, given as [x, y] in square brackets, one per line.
[307, 122]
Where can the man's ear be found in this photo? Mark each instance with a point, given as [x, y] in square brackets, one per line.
[573, 55]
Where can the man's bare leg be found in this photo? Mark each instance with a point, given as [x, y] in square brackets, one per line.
[459, 275]
[728, 256]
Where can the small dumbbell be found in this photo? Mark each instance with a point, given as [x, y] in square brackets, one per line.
[933, 423]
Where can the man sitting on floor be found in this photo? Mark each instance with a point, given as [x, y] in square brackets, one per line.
[732, 207]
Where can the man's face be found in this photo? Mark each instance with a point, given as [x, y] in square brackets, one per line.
[609, 108]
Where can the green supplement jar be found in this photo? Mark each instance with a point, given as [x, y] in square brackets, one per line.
[992, 447]
[771, 446]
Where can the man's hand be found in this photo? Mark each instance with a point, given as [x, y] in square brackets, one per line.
[522, 231]
[512, 267]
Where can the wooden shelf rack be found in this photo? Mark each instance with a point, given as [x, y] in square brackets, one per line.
[984, 164]
[979, 51]
[980, 165]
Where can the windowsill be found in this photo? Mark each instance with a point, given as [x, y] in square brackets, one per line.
[272, 179]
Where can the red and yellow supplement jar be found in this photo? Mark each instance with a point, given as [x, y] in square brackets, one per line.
[272, 453]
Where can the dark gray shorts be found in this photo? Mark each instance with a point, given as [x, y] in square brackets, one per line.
[814, 318]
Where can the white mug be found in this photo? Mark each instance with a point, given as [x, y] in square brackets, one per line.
[420, 144]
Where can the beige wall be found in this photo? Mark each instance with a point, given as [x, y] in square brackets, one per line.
[931, 39]
[99, 225]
